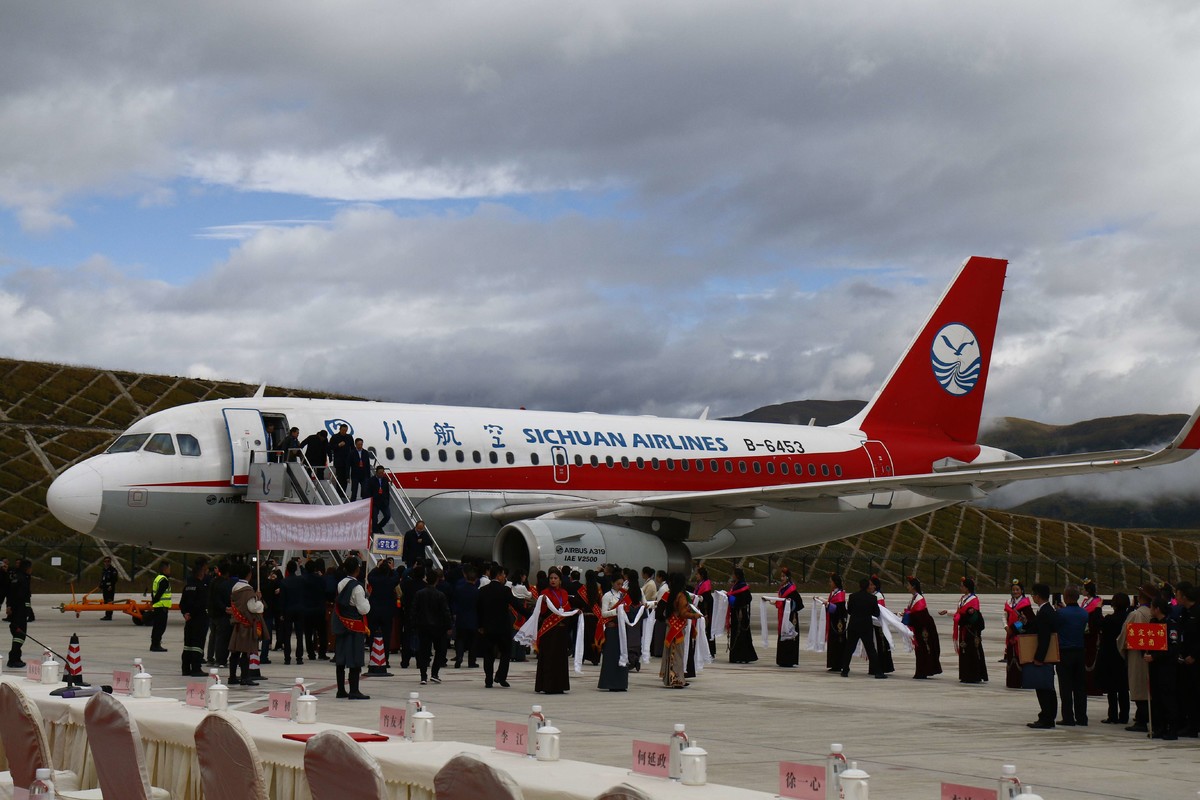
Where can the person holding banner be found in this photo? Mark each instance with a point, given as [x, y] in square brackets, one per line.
[1163, 672]
[678, 613]
[553, 676]
[613, 676]
[350, 629]
[1137, 669]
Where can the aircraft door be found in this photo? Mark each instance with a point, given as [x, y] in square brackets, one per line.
[246, 434]
[881, 466]
[562, 464]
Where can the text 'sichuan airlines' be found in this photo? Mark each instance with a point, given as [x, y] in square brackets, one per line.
[532, 488]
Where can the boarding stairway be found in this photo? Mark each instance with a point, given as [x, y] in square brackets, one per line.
[305, 487]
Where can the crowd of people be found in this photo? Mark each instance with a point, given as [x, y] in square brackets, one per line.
[1065, 647]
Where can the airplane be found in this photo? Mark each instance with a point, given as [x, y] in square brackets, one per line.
[531, 488]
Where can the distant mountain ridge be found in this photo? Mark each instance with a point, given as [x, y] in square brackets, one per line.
[1030, 439]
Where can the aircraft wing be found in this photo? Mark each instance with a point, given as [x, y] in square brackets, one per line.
[952, 483]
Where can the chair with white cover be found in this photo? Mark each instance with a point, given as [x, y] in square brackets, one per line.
[117, 752]
[229, 765]
[465, 777]
[25, 744]
[338, 768]
[623, 791]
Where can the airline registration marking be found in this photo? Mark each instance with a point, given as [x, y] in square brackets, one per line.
[774, 446]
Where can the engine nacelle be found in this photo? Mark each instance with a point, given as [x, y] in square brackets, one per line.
[536, 545]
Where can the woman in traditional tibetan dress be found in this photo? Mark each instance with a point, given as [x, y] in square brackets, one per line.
[678, 613]
[661, 612]
[835, 624]
[704, 602]
[883, 650]
[787, 653]
[968, 636]
[553, 676]
[589, 606]
[741, 640]
[1093, 604]
[613, 676]
[1018, 613]
[926, 645]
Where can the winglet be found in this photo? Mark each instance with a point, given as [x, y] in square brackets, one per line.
[1189, 437]
[262, 390]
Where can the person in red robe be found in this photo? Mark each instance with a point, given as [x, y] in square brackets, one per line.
[926, 645]
[835, 624]
[1093, 604]
[1018, 612]
[968, 636]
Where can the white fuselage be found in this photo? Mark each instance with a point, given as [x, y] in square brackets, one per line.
[459, 465]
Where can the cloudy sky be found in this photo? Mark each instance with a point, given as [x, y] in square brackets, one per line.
[619, 206]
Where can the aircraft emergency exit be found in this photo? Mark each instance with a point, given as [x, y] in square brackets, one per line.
[533, 488]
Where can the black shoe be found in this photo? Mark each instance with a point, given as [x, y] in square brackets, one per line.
[1040, 725]
[1108, 721]
[341, 694]
[157, 649]
[435, 679]
[881, 676]
[845, 673]
[424, 682]
[249, 682]
[487, 685]
[1137, 727]
[358, 696]
[503, 683]
[1068, 723]
[16, 665]
[472, 665]
[287, 662]
[458, 665]
[264, 661]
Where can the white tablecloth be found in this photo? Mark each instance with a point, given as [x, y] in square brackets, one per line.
[168, 728]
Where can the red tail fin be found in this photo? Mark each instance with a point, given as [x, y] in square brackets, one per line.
[937, 387]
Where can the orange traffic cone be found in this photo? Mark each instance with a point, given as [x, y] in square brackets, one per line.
[378, 659]
[74, 669]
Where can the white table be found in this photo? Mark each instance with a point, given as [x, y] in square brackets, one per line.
[167, 728]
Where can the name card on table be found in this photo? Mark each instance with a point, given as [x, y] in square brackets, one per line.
[510, 737]
[801, 781]
[954, 791]
[279, 705]
[197, 694]
[650, 758]
[122, 679]
[20, 794]
[33, 670]
[391, 721]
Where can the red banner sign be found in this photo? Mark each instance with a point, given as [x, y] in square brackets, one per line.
[1146, 636]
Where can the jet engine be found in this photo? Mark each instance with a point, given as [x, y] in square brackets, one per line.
[537, 544]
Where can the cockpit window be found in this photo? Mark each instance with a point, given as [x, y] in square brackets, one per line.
[188, 445]
[160, 443]
[129, 443]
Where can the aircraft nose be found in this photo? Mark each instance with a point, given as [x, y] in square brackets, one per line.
[75, 497]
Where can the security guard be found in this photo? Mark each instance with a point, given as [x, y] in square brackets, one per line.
[19, 600]
[160, 602]
[108, 584]
[193, 605]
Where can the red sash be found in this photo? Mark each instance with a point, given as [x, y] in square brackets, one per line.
[598, 633]
[353, 625]
[242, 620]
[549, 618]
[785, 591]
[675, 625]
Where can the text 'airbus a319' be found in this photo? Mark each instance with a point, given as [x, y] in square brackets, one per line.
[531, 488]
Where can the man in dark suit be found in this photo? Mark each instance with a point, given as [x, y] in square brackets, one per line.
[493, 610]
[360, 470]
[1041, 677]
[290, 445]
[341, 445]
[863, 608]
[379, 490]
[415, 542]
